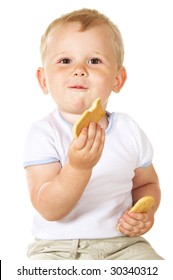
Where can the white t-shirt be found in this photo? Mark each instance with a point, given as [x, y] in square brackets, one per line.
[108, 193]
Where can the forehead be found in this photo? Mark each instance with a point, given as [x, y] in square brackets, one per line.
[72, 34]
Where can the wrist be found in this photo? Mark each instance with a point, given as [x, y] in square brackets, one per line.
[79, 169]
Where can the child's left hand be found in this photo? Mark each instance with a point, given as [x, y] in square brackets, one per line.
[135, 224]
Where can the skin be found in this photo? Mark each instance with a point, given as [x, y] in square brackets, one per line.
[78, 68]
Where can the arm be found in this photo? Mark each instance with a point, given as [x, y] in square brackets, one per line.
[145, 182]
[54, 191]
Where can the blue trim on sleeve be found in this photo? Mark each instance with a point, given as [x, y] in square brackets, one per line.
[110, 119]
[38, 162]
[146, 164]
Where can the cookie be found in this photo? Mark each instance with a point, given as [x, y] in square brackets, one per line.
[93, 114]
[143, 204]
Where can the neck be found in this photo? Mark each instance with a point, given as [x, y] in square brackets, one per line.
[72, 118]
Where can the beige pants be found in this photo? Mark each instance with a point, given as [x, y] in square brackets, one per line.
[119, 248]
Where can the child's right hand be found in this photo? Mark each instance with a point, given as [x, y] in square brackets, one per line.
[85, 151]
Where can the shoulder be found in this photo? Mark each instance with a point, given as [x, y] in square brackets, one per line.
[131, 136]
[124, 125]
[118, 116]
[122, 120]
[40, 146]
[45, 124]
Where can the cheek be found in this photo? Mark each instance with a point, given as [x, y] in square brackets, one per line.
[106, 83]
[106, 77]
[53, 82]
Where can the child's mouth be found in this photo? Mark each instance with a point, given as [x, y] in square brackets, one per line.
[78, 87]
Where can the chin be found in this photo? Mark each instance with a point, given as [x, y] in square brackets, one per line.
[79, 107]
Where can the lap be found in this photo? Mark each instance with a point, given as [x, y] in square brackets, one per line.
[118, 248]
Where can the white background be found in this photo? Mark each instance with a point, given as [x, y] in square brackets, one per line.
[146, 27]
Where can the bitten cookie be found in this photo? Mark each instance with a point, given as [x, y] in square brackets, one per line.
[93, 114]
[143, 204]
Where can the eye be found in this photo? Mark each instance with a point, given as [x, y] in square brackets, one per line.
[64, 61]
[94, 61]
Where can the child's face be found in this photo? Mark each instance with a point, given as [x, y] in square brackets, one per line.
[79, 67]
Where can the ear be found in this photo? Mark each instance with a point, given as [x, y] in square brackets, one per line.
[120, 79]
[42, 80]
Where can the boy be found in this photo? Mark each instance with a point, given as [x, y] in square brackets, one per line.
[82, 189]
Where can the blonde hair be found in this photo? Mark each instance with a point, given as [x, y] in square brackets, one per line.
[87, 19]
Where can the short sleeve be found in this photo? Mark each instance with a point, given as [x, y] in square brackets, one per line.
[40, 146]
[144, 147]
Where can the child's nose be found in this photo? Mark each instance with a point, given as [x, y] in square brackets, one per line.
[80, 71]
[79, 74]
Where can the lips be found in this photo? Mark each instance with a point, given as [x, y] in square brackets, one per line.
[78, 87]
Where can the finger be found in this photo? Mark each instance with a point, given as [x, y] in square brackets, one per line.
[91, 135]
[126, 225]
[130, 232]
[140, 222]
[129, 220]
[139, 216]
[102, 142]
[99, 140]
[80, 142]
[124, 231]
[141, 225]
[129, 223]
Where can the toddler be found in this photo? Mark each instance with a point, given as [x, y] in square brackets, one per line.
[82, 188]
